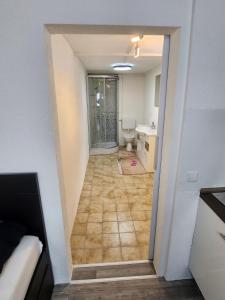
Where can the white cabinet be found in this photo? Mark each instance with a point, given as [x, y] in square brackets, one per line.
[146, 151]
[207, 261]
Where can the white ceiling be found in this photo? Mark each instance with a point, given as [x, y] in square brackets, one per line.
[98, 51]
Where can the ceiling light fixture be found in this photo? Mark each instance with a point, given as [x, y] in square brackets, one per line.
[122, 67]
[136, 51]
[137, 38]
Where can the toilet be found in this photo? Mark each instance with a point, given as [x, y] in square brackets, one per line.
[129, 136]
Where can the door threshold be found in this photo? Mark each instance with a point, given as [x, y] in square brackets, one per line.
[112, 263]
[113, 279]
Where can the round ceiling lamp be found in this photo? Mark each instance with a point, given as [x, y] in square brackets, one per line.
[122, 67]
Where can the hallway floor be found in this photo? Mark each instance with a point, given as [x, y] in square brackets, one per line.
[113, 218]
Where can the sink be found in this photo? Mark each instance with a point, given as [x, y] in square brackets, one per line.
[146, 129]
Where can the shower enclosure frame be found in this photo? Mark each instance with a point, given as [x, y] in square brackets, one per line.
[103, 150]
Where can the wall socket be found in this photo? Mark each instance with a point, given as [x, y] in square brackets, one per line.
[192, 176]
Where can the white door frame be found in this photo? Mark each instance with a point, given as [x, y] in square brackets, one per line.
[175, 101]
[159, 142]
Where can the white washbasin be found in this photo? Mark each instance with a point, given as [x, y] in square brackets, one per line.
[145, 129]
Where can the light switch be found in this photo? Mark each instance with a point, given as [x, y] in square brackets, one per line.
[192, 176]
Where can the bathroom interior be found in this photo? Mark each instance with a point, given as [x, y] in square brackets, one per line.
[119, 91]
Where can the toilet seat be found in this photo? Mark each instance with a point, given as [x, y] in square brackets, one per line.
[129, 135]
[129, 139]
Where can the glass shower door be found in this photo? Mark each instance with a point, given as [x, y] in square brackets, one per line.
[110, 112]
[103, 111]
[96, 105]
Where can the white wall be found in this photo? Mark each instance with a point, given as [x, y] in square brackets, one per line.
[137, 99]
[26, 119]
[203, 138]
[131, 99]
[150, 110]
[71, 115]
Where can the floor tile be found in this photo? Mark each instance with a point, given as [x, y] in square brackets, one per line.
[148, 214]
[93, 255]
[143, 226]
[81, 218]
[93, 241]
[132, 192]
[131, 253]
[124, 216]
[109, 216]
[118, 192]
[138, 215]
[95, 217]
[109, 207]
[84, 201]
[107, 192]
[133, 199]
[126, 226]
[96, 191]
[107, 200]
[138, 207]
[78, 256]
[94, 228]
[80, 228]
[123, 200]
[87, 187]
[128, 239]
[77, 241]
[143, 238]
[86, 193]
[111, 240]
[110, 227]
[83, 209]
[144, 252]
[112, 254]
[88, 179]
[113, 214]
[95, 207]
[123, 207]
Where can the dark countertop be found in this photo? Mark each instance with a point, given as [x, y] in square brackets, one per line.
[215, 199]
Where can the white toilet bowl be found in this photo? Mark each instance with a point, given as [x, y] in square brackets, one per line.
[129, 139]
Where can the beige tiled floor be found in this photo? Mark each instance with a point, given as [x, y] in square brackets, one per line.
[113, 217]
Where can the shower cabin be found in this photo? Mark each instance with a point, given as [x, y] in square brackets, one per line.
[103, 112]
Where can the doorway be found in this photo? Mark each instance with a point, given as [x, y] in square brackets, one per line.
[114, 213]
[86, 192]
